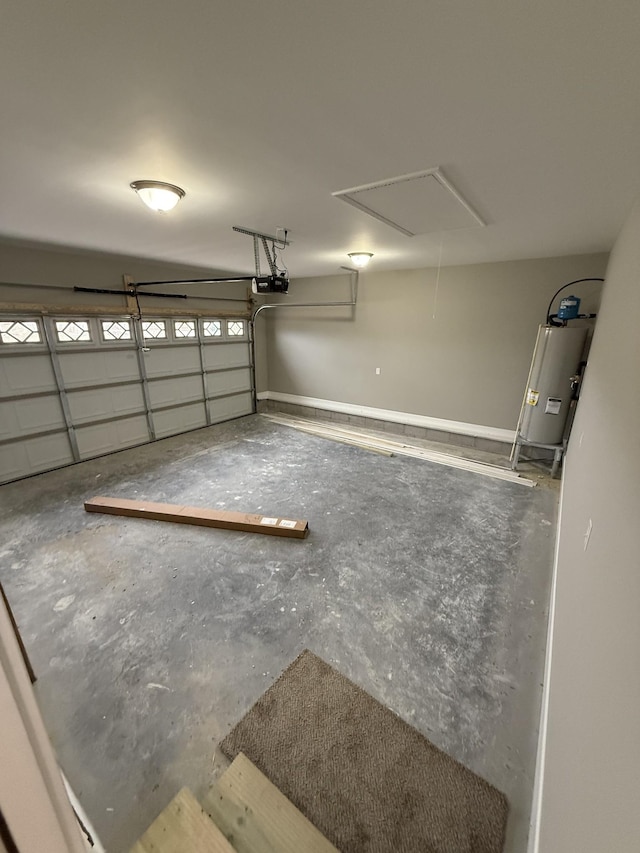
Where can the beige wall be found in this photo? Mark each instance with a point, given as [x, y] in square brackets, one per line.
[591, 779]
[21, 264]
[459, 352]
[457, 349]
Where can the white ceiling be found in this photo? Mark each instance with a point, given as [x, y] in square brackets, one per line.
[261, 109]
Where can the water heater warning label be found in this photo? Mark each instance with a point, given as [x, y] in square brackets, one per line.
[553, 406]
[532, 397]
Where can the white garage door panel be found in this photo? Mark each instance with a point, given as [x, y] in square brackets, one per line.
[103, 438]
[31, 415]
[87, 406]
[34, 455]
[168, 361]
[184, 418]
[26, 375]
[217, 357]
[91, 368]
[227, 408]
[228, 382]
[167, 392]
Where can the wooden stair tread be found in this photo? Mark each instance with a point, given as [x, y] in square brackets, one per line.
[183, 826]
[256, 817]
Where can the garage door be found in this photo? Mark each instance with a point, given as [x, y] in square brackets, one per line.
[72, 388]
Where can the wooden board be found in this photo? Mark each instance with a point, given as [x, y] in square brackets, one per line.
[274, 526]
[256, 818]
[183, 826]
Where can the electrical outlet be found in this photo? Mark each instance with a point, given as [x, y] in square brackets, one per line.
[377, 371]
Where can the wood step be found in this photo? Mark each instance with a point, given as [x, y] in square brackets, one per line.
[256, 817]
[183, 827]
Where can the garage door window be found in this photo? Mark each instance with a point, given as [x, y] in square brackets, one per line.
[235, 328]
[212, 328]
[20, 332]
[72, 331]
[184, 328]
[156, 329]
[116, 330]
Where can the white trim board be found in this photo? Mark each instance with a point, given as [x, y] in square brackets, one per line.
[96, 847]
[535, 820]
[458, 427]
[346, 435]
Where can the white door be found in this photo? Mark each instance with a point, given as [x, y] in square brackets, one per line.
[73, 388]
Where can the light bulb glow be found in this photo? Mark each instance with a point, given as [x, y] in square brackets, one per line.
[360, 259]
[158, 195]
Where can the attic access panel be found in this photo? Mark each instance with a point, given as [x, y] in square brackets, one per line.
[418, 203]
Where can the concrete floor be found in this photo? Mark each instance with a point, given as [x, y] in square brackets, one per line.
[426, 585]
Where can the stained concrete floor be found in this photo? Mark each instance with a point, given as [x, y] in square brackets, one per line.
[426, 585]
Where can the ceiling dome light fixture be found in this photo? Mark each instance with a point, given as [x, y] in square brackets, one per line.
[360, 259]
[157, 195]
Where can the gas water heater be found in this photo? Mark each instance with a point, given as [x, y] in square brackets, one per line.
[553, 377]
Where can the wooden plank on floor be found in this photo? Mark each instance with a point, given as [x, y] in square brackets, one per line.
[183, 826]
[257, 818]
[272, 525]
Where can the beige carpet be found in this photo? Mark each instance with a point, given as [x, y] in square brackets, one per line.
[367, 780]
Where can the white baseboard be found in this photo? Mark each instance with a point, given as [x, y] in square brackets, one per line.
[458, 427]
